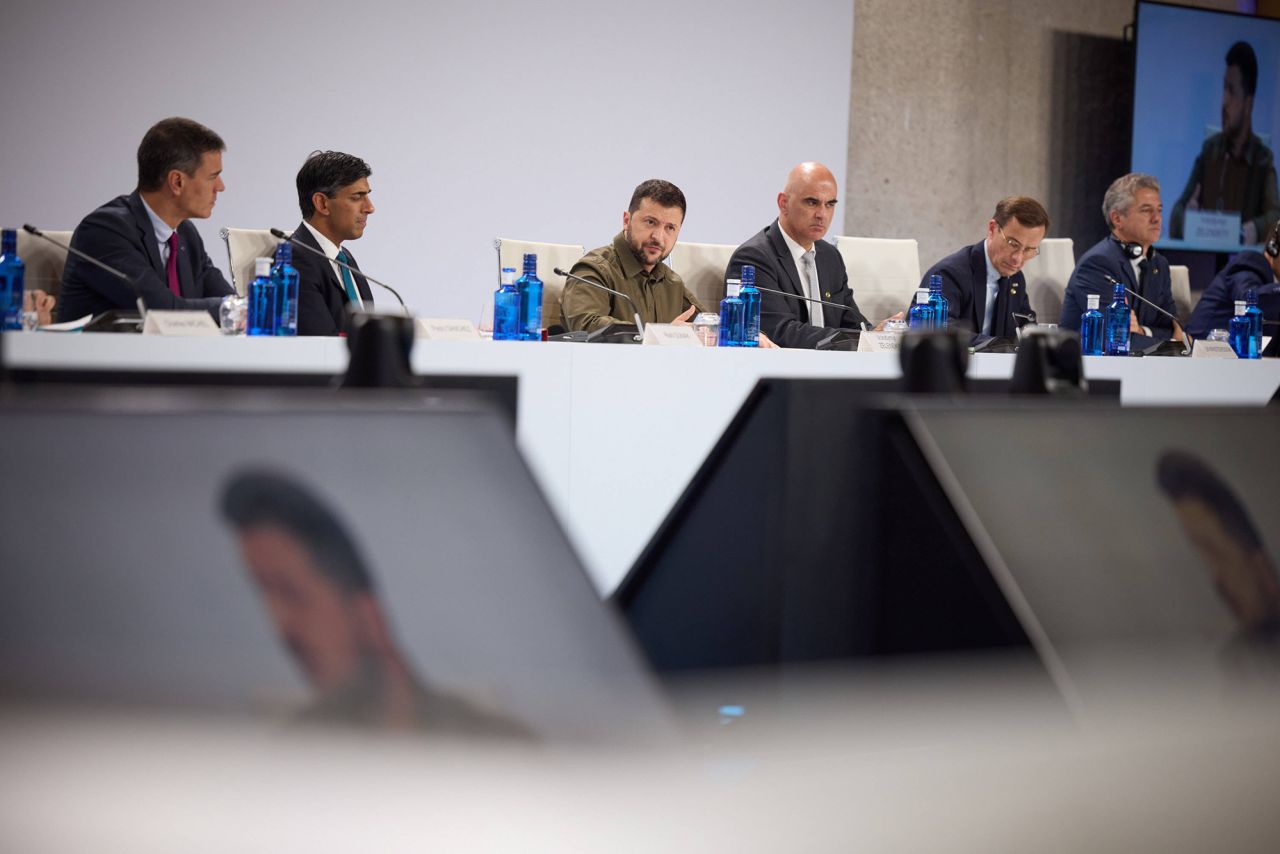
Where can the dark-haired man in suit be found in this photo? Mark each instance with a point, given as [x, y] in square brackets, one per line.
[983, 283]
[147, 234]
[333, 193]
[791, 256]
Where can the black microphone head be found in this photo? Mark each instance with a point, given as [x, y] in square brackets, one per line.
[559, 272]
[31, 229]
[275, 232]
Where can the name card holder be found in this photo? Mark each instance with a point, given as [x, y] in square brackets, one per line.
[181, 324]
[447, 329]
[671, 335]
[1212, 350]
[879, 342]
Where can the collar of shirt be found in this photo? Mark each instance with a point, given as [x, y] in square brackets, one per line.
[161, 229]
[797, 251]
[331, 249]
[630, 264]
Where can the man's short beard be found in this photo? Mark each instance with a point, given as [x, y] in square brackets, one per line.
[639, 253]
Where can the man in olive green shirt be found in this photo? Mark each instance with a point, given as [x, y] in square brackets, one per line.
[632, 264]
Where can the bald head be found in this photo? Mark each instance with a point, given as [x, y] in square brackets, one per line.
[807, 204]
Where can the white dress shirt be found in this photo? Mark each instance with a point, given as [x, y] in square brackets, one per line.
[330, 249]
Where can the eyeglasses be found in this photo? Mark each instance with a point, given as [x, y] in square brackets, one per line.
[1027, 252]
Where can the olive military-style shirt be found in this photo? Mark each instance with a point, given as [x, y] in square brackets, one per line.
[660, 296]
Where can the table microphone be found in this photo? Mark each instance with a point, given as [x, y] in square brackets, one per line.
[865, 326]
[634, 310]
[275, 232]
[133, 285]
[1186, 339]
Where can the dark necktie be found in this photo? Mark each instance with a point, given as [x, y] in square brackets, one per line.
[1144, 270]
[171, 266]
[1000, 313]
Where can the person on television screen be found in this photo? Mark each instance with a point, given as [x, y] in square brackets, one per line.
[322, 600]
[983, 283]
[791, 256]
[1221, 531]
[1134, 213]
[1249, 270]
[148, 234]
[1234, 171]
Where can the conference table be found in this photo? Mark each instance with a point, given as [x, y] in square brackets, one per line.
[614, 434]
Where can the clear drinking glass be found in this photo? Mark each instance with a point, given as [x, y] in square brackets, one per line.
[234, 315]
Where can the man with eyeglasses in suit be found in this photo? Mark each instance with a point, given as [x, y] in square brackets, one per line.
[983, 283]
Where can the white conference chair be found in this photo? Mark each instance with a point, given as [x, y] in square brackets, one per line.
[244, 245]
[43, 260]
[550, 255]
[1047, 275]
[702, 267]
[883, 273]
[1180, 279]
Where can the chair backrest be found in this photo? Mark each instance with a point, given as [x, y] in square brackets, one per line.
[243, 246]
[883, 273]
[550, 255]
[702, 267]
[1047, 275]
[44, 261]
[1180, 279]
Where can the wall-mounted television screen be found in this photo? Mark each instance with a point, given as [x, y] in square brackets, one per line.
[1206, 121]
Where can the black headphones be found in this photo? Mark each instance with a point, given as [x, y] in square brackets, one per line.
[1130, 250]
[1272, 246]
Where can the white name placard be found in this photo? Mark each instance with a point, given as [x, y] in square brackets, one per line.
[190, 324]
[671, 335]
[879, 342]
[1222, 228]
[447, 329]
[1212, 350]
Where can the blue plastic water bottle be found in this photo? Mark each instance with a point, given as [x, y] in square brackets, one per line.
[1241, 333]
[12, 276]
[940, 305]
[921, 314]
[529, 287]
[1254, 314]
[506, 308]
[750, 296]
[285, 278]
[262, 300]
[1091, 323]
[1117, 339]
[731, 316]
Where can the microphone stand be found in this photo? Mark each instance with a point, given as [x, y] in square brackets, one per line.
[277, 233]
[635, 311]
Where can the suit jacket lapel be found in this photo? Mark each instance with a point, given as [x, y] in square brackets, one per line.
[304, 235]
[788, 265]
[147, 232]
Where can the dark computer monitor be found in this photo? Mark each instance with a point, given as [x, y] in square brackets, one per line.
[814, 531]
[176, 548]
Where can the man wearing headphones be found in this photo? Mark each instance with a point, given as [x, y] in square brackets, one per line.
[1134, 214]
[1256, 271]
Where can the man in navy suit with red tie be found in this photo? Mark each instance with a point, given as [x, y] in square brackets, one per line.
[148, 236]
[983, 283]
[333, 193]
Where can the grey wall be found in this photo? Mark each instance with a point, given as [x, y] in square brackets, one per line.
[955, 104]
[480, 119]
